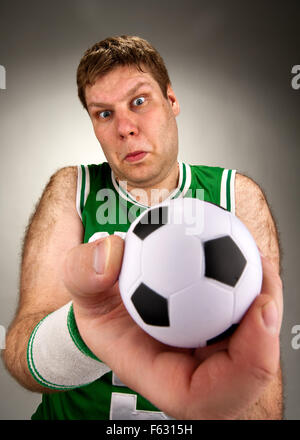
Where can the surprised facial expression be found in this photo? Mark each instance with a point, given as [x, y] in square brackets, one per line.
[135, 124]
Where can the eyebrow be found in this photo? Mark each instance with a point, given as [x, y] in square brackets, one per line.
[130, 92]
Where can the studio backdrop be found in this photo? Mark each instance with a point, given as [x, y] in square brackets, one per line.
[235, 68]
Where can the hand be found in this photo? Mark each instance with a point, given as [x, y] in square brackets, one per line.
[217, 382]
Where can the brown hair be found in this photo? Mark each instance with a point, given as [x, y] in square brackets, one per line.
[120, 51]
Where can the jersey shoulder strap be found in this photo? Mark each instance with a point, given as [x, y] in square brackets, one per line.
[90, 178]
[218, 184]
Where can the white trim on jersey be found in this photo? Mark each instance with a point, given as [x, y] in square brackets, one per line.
[188, 179]
[78, 190]
[80, 186]
[124, 193]
[87, 183]
[228, 187]
[232, 191]
[129, 198]
[223, 196]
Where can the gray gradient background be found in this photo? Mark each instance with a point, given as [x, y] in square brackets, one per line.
[230, 64]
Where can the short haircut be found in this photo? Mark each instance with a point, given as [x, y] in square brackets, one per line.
[117, 51]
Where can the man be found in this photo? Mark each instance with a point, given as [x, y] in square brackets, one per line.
[72, 338]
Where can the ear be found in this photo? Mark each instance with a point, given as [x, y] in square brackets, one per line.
[173, 100]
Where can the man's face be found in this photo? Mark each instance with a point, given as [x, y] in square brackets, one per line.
[135, 125]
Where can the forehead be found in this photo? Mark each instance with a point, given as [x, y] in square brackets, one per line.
[115, 85]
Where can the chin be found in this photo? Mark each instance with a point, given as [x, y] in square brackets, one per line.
[139, 171]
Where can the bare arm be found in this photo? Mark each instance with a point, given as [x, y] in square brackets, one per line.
[53, 230]
[253, 210]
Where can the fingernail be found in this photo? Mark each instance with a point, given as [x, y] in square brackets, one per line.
[100, 255]
[270, 316]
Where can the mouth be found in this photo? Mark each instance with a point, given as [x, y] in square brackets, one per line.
[135, 156]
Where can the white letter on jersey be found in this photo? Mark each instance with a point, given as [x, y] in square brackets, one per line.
[123, 406]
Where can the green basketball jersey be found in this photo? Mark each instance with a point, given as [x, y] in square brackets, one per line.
[106, 207]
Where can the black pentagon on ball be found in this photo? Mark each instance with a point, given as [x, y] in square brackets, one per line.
[224, 261]
[152, 307]
[150, 221]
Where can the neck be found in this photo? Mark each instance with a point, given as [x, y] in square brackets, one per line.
[157, 193]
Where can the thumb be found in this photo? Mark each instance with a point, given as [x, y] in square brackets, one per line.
[255, 345]
[92, 268]
[239, 375]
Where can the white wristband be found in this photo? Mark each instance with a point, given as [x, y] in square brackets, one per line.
[57, 356]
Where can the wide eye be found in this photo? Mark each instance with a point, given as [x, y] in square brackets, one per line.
[105, 114]
[139, 101]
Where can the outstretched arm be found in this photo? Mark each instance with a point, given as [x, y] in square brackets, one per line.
[252, 208]
[53, 229]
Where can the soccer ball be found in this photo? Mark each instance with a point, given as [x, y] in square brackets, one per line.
[190, 271]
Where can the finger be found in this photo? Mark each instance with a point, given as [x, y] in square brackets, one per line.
[94, 267]
[260, 327]
[254, 347]
[236, 377]
[272, 284]
[256, 342]
[232, 380]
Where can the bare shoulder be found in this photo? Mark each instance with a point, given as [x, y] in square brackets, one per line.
[249, 197]
[254, 211]
[67, 174]
[59, 195]
[56, 206]
[62, 186]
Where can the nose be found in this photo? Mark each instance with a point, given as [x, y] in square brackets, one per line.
[126, 125]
